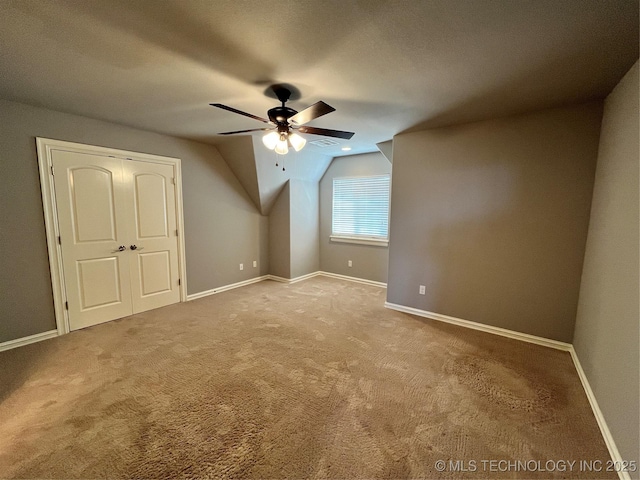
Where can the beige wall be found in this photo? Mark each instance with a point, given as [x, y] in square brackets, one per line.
[222, 225]
[279, 235]
[492, 218]
[607, 332]
[293, 230]
[369, 262]
[305, 223]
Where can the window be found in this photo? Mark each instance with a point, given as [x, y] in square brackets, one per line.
[361, 210]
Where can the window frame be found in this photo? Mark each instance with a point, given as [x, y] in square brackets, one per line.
[360, 239]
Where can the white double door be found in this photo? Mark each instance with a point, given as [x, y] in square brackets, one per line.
[117, 223]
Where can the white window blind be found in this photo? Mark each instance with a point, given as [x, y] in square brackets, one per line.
[361, 207]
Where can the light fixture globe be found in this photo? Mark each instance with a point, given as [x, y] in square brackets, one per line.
[297, 142]
[270, 140]
[281, 147]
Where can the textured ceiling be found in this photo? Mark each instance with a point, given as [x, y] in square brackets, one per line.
[387, 66]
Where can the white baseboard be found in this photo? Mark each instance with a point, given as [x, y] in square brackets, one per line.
[352, 279]
[525, 337]
[278, 279]
[19, 342]
[224, 288]
[289, 281]
[320, 273]
[275, 278]
[604, 429]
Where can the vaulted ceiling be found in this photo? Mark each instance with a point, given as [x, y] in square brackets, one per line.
[386, 66]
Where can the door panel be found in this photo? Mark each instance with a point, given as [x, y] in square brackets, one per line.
[152, 210]
[89, 199]
[98, 282]
[155, 268]
[151, 205]
[92, 204]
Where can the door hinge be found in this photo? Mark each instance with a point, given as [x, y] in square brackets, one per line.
[59, 240]
[173, 180]
[176, 233]
[179, 282]
[66, 305]
[52, 170]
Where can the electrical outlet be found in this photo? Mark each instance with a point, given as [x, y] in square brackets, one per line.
[242, 266]
[255, 263]
[423, 290]
[350, 263]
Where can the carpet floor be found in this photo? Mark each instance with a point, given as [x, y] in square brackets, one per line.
[310, 380]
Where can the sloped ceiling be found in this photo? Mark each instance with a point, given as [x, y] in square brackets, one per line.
[387, 149]
[255, 167]
[387, 66]
[238, 153]
[306, 165]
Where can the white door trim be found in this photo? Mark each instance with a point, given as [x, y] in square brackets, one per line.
[45, 146]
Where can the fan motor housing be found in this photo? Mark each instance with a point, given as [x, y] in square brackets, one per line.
[281, 115]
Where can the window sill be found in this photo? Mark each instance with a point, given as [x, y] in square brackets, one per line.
[360, 241]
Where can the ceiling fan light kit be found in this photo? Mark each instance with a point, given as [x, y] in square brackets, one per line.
[286, 122]
[280, 142]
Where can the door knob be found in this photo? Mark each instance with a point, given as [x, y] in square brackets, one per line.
[135, 247]
[121, 248]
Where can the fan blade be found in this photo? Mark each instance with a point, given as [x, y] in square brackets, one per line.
[326, 132]
[310, 113]
[243, 131]
[239, 112]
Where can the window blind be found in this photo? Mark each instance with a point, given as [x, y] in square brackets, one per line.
[361, 207]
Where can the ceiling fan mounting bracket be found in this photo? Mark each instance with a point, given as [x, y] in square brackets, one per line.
[282, 92]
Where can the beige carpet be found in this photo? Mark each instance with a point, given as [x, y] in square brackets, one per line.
[311, 380]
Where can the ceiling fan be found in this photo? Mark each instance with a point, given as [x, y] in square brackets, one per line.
[285, 123]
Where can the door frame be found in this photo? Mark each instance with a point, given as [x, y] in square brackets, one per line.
[45, 147]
